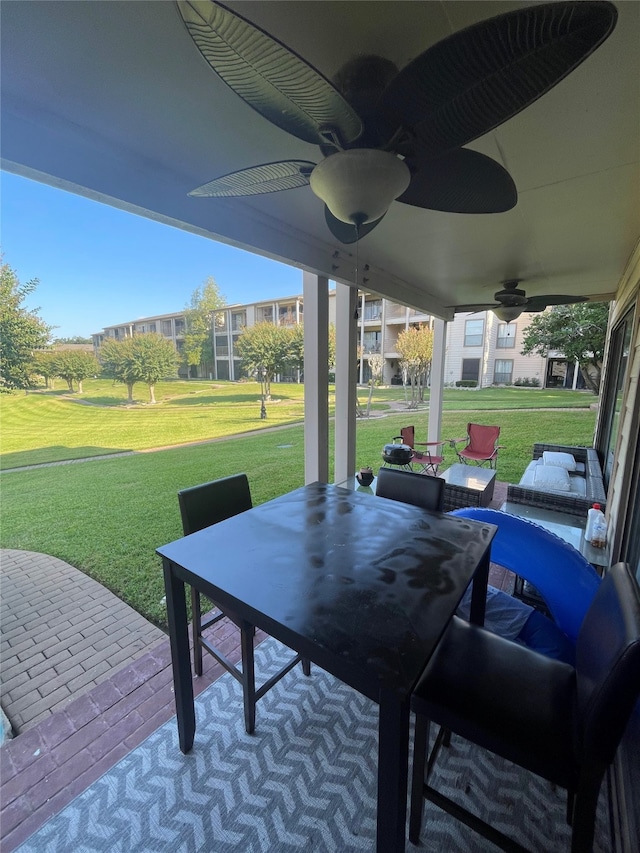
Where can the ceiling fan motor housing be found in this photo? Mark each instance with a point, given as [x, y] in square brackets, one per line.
[511, 296]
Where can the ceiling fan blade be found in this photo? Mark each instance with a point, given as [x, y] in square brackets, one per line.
[267, 75]
[344, 231]
[463, 309]
[474, 80]
[539, 303]
[461, 181]
[267, 178]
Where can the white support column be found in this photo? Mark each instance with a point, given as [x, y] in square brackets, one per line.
[316, 377]
[361, 335]
[437, 379]
[346, 371]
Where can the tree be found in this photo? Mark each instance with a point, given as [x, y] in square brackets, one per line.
[266, 347]
[296, 355]
[144, 358]
[376, 366]
[116, 357]
[415, 347]
[76, 339]
[578, 331]
[43, 363]
[154, 358]
[21, 331]
[75, 366]
[199, 319]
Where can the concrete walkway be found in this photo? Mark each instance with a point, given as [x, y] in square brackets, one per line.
[62, 633]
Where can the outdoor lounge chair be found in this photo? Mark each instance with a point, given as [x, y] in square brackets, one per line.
[561, 723]
[481, 445]
[429, 461]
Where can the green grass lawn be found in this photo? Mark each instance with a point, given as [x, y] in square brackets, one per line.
[51, 426]
[108, 516]
[482, 399]
[54, 426]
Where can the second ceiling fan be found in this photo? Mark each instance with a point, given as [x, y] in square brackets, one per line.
[511, 302]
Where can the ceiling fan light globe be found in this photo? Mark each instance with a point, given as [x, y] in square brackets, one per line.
[358, 185]
[508, 314]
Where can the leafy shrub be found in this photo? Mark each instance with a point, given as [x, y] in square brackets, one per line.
[467, 383]
[527, 382]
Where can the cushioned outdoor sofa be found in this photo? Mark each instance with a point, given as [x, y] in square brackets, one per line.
[564, 478]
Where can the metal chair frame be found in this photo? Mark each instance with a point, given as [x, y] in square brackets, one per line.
[469, 455]
[200, 507]
[428, 461]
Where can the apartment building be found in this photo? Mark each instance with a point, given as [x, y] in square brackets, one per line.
[171, 326]
[230, 322]
[479, 347]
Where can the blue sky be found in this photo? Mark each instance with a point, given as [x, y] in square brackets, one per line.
[98, 265]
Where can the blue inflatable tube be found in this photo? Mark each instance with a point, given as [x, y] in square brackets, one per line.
[560, 573]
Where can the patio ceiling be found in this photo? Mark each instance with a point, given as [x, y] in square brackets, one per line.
[112, 100]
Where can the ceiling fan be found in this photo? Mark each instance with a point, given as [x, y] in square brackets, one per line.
[511, 302]
[387, 134]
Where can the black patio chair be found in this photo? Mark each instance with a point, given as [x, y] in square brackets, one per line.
[410, 488]
[200, 507]
[561, 723]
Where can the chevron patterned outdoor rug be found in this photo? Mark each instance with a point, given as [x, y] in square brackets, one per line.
[306, 780]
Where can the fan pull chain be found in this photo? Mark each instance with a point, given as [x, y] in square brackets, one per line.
[357, 265]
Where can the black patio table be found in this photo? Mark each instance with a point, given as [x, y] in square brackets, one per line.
[362, 588]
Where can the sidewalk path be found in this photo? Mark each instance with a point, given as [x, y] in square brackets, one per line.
[62, 633]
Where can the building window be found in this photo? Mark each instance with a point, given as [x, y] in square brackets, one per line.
[221, 321]
[265, 314]
[179, 327]
[473, 333]
[371, 342]
[286, 315]
[222, 345]
[613, 394]
[506, 335]
[166, 328]
[503, 371]
[222, 369]
[470, 369]
[152, 327]
[373, 309]
[238, 321]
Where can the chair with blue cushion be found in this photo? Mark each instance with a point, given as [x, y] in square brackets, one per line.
[564, 578]
[557, 721]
